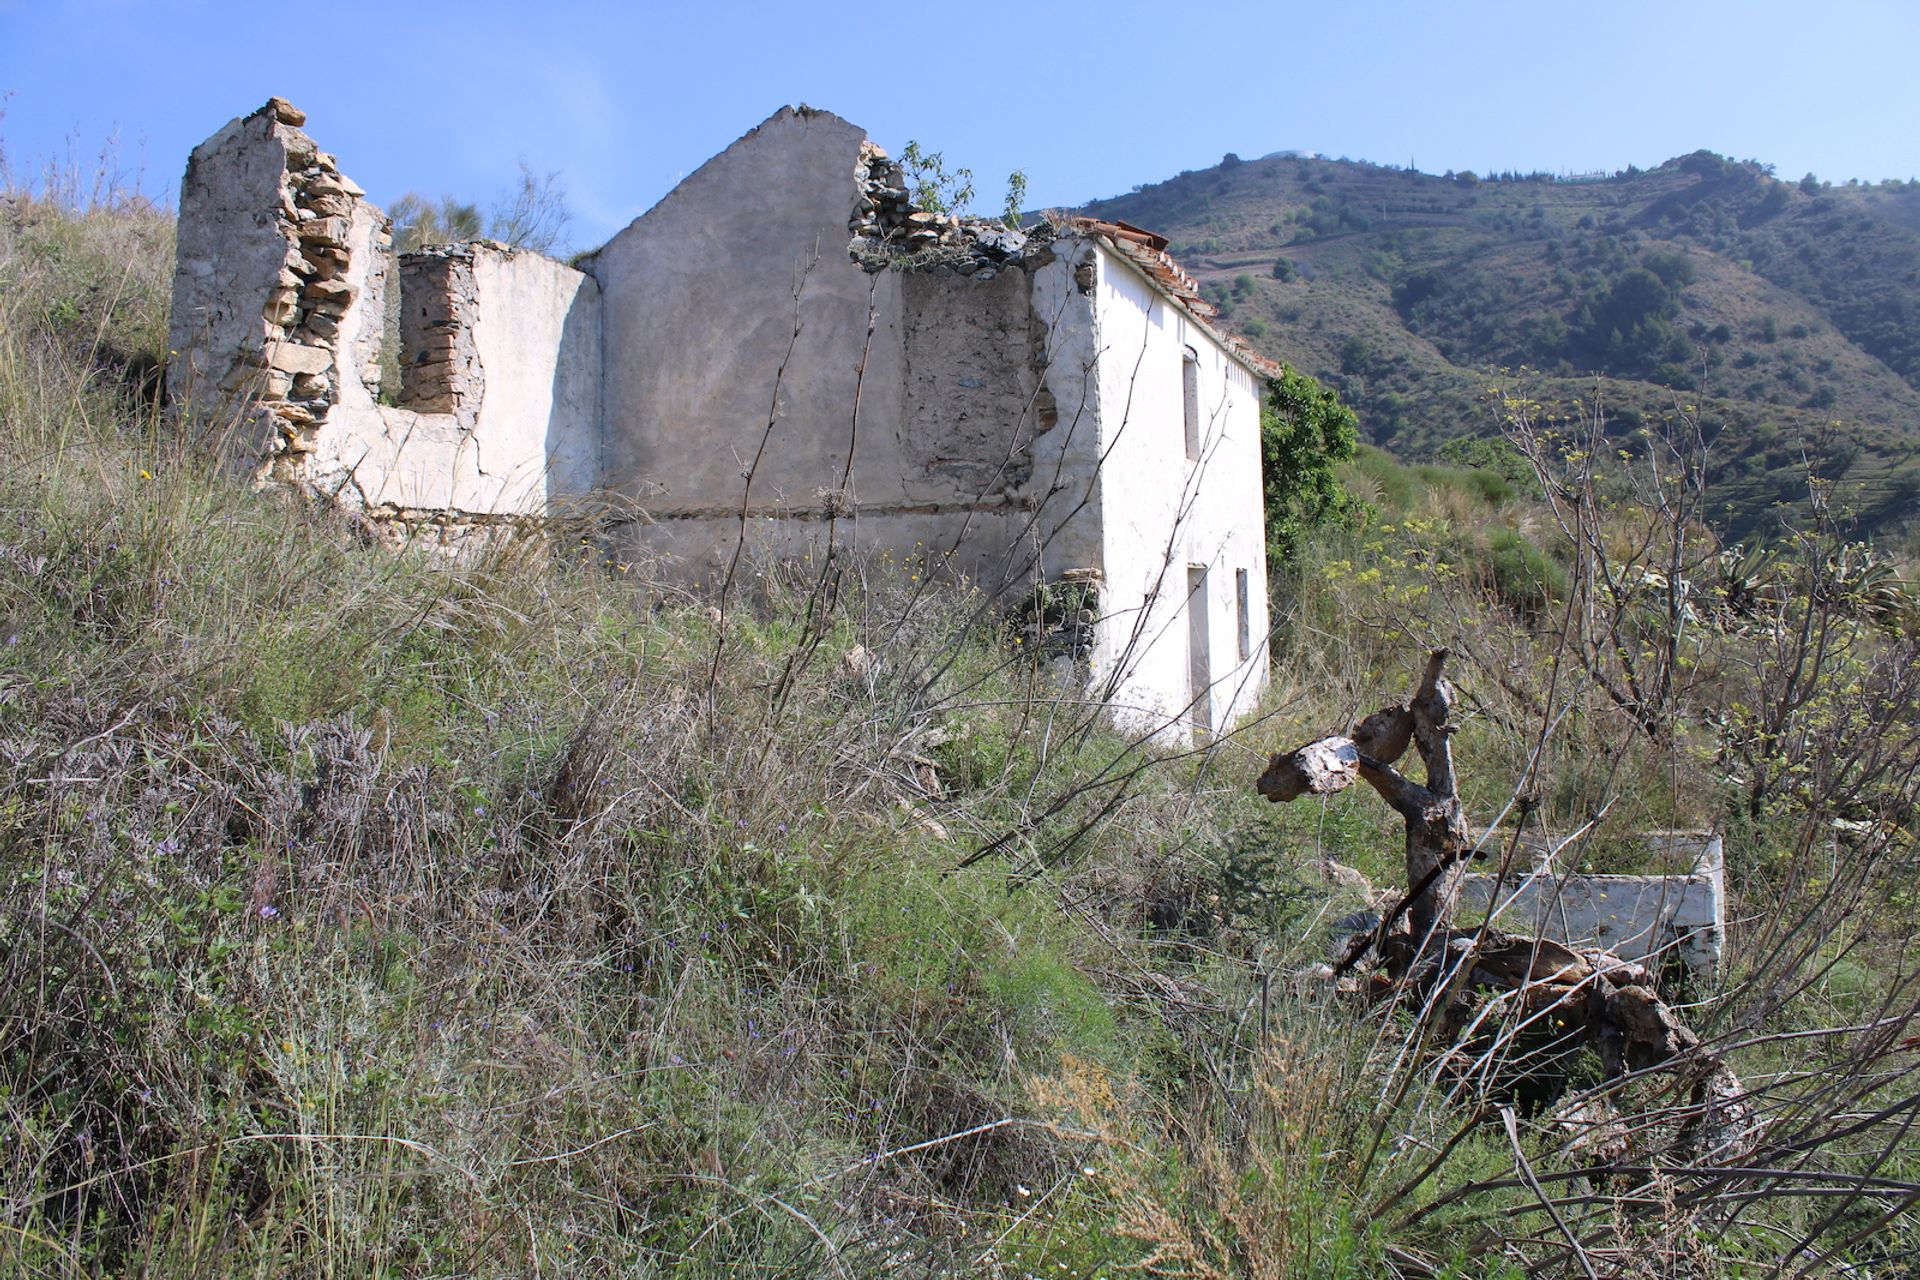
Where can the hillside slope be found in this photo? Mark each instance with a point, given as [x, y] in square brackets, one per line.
[1789, 313]
[369, 914]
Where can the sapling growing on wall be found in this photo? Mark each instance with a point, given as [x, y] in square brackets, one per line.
[940, 190]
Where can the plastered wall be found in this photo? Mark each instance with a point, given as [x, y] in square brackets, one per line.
[278, 332]
[782, 347]
[1177, 531]
[752, 364]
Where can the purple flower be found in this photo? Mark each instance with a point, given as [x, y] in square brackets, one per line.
[269, 911]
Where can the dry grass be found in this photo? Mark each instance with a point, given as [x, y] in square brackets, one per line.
[363, 914]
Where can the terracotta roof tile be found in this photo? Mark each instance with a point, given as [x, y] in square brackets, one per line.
[1148, 252]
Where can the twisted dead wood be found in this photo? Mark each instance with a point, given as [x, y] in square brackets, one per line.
[1614, 1003]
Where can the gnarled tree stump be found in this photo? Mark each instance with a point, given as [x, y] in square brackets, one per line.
[1614, 1003]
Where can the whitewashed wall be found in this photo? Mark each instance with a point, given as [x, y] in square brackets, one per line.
[1162, 513]
[1066, 454]
[1032, 413]
[279, 305]
[534, 443]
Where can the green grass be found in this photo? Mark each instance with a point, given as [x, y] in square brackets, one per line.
[366, 913]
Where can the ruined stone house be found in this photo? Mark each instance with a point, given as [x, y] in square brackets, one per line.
[784, 337]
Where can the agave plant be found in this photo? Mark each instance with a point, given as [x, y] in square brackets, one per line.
[1746, 582]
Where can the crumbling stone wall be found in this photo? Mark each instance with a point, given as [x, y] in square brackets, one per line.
[440, 364]
[265, 289]
[889, 231]
[738, 328]
[278, 318]
[994, 344]
[976, 350]
[782, 342]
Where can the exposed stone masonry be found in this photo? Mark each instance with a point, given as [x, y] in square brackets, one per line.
[282, 274]
[304, 311]
[888, 229]
[440, 365]
[945, 383]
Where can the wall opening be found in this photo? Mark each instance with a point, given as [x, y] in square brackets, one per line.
[1243, 605]
[1199, 654]
[1190, 400]
[439, 306]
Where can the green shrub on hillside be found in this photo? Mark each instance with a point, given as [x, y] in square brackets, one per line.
[1305, 433]
[1523, 576]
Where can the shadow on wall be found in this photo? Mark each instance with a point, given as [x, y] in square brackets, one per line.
[575, 437]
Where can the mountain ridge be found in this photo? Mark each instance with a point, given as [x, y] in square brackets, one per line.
[1785, 314]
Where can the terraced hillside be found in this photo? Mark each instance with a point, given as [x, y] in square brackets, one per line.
[1787, 313]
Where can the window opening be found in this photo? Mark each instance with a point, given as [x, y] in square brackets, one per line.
[1190, 400]
[1245, 613]
[1199, 657]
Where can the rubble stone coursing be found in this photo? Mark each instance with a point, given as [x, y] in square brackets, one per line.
[889, 231]
[279, 317]
[738, 370]
[257, 324]
[440, 362]
[954, 428]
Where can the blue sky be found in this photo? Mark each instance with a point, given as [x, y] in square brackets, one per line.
[1088, 100]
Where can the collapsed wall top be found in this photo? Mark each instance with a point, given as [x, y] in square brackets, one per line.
[281, 319]
[891, 230]
[265, 287]
[782, 357]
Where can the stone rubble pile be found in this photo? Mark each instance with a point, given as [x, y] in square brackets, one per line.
[304, 310]
[1058, 621]
[889, 230]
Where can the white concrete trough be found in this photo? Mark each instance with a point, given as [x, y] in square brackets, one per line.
[1661, 919]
